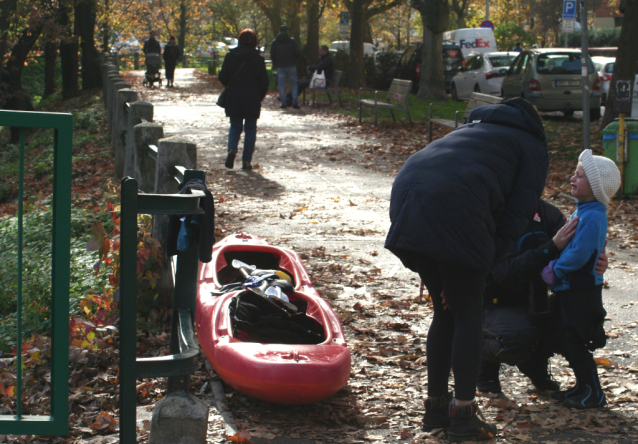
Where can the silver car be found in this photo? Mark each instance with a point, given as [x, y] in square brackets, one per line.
[605, 68]
[482, 73]
[550, 78]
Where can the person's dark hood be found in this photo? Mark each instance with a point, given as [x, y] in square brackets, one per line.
[517, 112]
[244, 52]
[282, 37]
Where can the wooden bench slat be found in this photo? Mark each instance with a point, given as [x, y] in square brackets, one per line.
[396, 99]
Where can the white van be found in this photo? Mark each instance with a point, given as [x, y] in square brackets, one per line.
[368, 48]
[472, 40]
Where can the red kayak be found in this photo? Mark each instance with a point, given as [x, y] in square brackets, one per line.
[284, 345]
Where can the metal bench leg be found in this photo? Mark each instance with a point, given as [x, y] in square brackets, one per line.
[410, 119]
[360, 112]
[339, 96]
[430, 130]
[376, 112]
[393, 118]
[329, 99]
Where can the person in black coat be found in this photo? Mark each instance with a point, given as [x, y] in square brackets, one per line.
[171, 54]
[244, 74]
[325, 65]
[521, 323]
[456, 206]
[284, 51]
[151, 45]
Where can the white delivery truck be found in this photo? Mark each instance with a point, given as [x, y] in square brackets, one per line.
[368, 48]
[472, 40]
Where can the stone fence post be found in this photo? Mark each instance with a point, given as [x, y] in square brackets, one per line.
[114, 110]
[112, 80]
[139, 112]
[124, 96]
[145, 133]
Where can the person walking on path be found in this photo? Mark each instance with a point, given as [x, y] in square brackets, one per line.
[244, 74]
[577, 285]
[171, 54]
[151, 46]
[284, 51]
[455, 207]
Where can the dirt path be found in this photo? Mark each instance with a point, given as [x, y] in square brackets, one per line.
[322, 187]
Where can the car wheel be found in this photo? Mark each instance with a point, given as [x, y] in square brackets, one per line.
[568, 113]
[594, 114]
[477, 88]
[453, 92]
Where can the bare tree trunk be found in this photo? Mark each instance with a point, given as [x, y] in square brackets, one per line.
[356, 77]
[50, 58]
[312, 34]
[7, 9]
[181, 38]
[432, 85]
[85, 15]
[626, 57]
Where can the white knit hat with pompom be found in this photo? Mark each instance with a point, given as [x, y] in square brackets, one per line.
[603, 176]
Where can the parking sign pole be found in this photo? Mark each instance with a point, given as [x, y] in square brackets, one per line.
[585, 72]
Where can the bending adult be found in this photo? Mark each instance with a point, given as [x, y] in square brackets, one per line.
[171, 54]
[455, 207]
[244, 73]
[521, 324]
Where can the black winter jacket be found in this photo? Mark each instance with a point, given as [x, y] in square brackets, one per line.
[248, 85]
[465, 198]
[171, 54]
[509, 281]
[151, 46]
[284, 51]
[325, 63]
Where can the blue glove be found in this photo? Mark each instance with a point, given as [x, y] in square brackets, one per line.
[548, 273]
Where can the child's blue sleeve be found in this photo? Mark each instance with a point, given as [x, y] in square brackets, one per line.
[582, 246]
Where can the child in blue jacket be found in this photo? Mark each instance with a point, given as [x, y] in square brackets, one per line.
[574, 280]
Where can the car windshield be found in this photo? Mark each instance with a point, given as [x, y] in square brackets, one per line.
[561, 63]
[501, 61]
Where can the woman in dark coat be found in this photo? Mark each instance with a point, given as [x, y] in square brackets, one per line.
[456, 206]
[171, 54]
[244, 74]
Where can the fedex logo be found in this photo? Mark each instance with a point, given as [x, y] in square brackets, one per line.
[478, 43]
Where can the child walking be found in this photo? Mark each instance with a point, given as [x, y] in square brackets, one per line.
[574, 280]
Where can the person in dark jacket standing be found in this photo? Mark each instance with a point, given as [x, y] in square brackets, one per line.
[171, 54]
[455, 207]
[244, 74]
[284, 51]
[151, 45]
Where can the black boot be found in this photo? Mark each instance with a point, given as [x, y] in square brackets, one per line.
[488, 381]
[536, 370]
[576, 390]
[437, 415]
[246, 165]
[230, 159]
[592, 395]
[466, 425]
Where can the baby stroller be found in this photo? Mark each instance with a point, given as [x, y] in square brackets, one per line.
[153, 65]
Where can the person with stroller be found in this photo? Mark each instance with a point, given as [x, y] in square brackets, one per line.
[244, 75]
[455, 207]
[151, 45]
[171, 55]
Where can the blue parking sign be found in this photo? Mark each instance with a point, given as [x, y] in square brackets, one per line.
[569, 9]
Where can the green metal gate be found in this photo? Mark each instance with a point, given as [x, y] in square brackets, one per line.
[57, 423]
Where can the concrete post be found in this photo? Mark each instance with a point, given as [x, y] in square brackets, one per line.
[116, 87]
[106, 70]
[185, 61]
[112, 80]
[124, 96]
[171, 151]
[144, 134]
[136, 60]
[139, 112]
[179, 418]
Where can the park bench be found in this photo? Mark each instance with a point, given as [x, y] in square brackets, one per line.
[395, 99]
[333, 87]
[477, 99]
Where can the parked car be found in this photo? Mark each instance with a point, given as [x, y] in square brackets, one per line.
[482, 73]
[605, 68]
[550, 78]
[410, 64]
